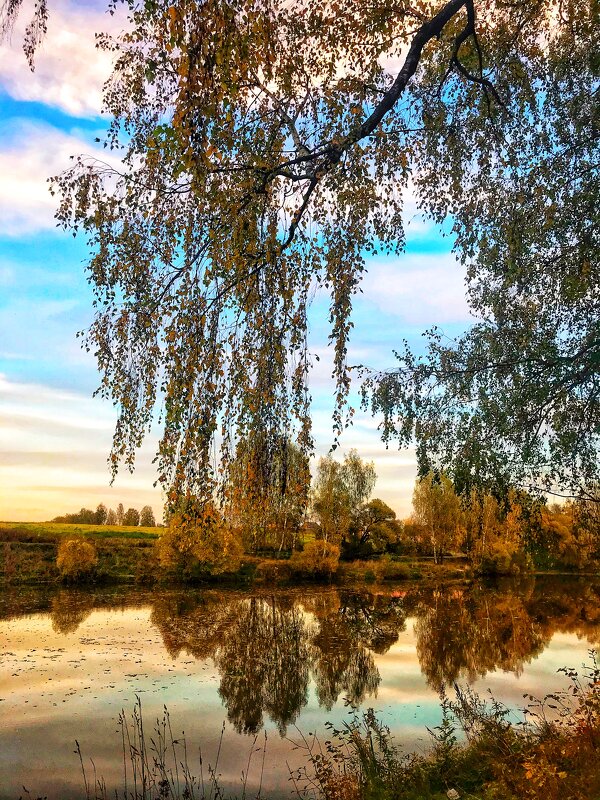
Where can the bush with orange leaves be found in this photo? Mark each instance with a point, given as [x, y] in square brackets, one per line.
[319, 559]
[76, 559]
[198, 541]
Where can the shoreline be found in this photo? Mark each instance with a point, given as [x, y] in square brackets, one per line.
[127, 556]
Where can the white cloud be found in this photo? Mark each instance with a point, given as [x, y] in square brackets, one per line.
[54, 449]
[69, 69]
[424, 289]
[30, 153]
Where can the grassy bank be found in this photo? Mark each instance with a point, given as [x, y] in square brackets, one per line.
[53, 532]
[28, 553]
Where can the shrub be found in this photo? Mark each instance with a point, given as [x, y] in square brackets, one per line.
[273, 572]
[76, 559]
[477, 752]
[199, 541]
[502, 558]
[390, 570]
[319, 559]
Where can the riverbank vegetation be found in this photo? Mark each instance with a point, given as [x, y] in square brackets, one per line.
[479, 751]
[331, 530]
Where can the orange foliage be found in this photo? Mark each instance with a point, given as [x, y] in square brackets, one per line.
[198, 539]
[319, 558]
[76, 559]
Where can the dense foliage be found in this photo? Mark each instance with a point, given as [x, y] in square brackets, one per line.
[501, 537]
[198, 541]
[266, 149]
[516, 398]
[318, 559]
[266, 501]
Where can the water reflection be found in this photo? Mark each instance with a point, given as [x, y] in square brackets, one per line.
[467, 633]
[70, 609]
[348, 629]
[259, 646]
[268, 647]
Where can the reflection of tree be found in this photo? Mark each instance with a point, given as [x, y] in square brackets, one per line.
[343, 669]
[265, 647]
[264, 665]
[70, 609]
[569, 606]
[469, 632]
[198, 625]
[342, 660]
[375, 620]
[260, 647]
[341, 664]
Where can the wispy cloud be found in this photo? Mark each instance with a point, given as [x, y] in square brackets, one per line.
[55, 445]
[30, 153]
[423, 289]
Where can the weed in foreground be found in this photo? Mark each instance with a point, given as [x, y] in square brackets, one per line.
[158, 766]
[478, 752]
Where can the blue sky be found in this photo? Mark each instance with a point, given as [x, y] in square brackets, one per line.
[54, 436]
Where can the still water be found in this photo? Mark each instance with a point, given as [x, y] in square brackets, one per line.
[275, 662]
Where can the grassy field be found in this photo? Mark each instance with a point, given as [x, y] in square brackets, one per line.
[52, 532]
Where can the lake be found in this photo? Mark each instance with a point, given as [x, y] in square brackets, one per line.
[281, 662]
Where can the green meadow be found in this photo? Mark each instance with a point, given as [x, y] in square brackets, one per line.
[55, 531]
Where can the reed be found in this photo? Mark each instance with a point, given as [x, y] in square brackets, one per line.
[157, 765]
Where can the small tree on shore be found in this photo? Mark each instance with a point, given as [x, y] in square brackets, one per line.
[339, 492]
[437, 508]
[198, 540]
[319, 559]
[374, 528]
[76, 559]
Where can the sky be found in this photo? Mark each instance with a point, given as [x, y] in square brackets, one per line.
[54, 435]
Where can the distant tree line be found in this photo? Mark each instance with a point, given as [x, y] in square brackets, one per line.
[108, 516]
